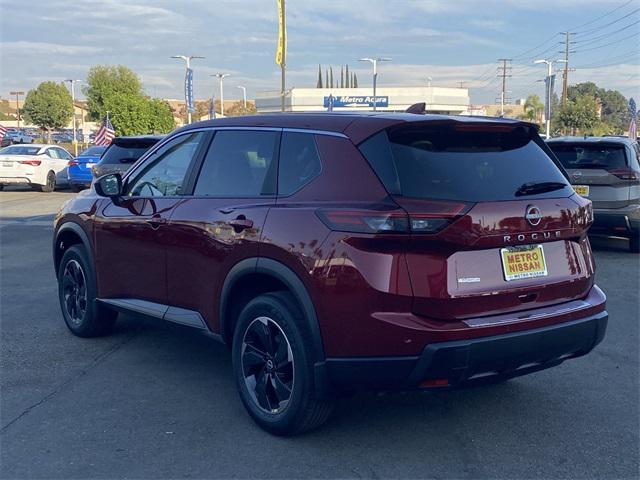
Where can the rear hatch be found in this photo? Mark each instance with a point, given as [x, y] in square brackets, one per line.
[598, 170]
[495, 225]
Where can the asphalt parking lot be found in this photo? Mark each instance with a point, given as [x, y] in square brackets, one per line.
[158, 401]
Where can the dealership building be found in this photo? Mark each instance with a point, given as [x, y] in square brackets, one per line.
[453, 101]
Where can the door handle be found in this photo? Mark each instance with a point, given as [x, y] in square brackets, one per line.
[156, 220]
[241, 223]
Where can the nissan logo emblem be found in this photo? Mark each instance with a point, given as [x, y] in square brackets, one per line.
[533, 215]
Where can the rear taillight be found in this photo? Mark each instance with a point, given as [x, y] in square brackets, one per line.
[624, 173]
[72, 163]
[365, 221]
[33, 163]
[433, 217]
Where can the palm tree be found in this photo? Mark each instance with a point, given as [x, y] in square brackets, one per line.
[533, 108]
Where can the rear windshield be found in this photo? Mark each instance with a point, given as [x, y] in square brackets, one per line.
[461, 162]
[589, 155]
[93, 151]
[20, 150]
[129, 153]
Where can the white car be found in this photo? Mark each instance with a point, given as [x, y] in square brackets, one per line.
[43, 167]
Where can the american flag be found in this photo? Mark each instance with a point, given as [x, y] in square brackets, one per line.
[3, 130]
[106, 133]
[633, 125]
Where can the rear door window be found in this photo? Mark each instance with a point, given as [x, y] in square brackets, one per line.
[239, 163]
[460, 161]
[299, 162]
[589, 155]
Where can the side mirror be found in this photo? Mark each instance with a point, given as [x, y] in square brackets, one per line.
[109, 185]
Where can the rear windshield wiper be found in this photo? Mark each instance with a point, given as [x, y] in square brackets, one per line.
[531, 188]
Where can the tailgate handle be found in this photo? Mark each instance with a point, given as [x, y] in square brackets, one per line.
[527, 297]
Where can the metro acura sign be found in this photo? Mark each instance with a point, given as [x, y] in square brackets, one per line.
[356, 101]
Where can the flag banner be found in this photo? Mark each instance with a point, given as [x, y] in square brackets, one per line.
[633, 122]
[549, 83]
[3, 132]
[188, 90]
[281, 52]
[106, 133]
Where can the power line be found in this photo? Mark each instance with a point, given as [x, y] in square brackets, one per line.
[602, 16]
[606, 44]
[608, 24]
[605, 35]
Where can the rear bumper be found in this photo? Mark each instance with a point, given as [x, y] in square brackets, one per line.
[466, 362]
[623, 221]
[15, 181]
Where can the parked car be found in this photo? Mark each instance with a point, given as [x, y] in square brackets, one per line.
[337, 252]
[43, 167]
[79, 172]
[15, 136]
[607, 171]
[123, 152]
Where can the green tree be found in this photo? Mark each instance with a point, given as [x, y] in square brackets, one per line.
[161, 116]
[355, 80]
[48, 106]
[579, 115]
[105, 82]
[319, 84]
[614, 107]
[533, 108]
[341, 76]
[347, 77]
[331, 76]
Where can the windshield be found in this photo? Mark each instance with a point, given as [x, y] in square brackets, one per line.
[93, 151]
[466, 162]
[589, 155]
[20, 150]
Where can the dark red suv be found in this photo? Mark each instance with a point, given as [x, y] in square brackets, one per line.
[338, 252]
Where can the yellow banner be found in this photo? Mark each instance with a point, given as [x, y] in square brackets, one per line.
[281, 52]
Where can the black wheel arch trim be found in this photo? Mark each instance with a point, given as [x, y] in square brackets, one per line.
[297, 288]
[79, 231]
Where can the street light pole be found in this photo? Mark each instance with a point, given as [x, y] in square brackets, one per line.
[187, 59]
[221, 77]
[73, 120]
[374, 62]
[244, 95]
[17, 94]
[549, 93]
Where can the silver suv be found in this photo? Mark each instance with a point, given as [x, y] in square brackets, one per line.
[607, 171]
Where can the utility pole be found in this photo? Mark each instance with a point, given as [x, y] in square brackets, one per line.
[503, 93]
[374, 62]
[549, 95]
[187, 58]
[565, 75]
[73, 102]
[221, 76]
[17, 94]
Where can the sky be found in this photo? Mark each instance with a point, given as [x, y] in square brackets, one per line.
[450, 41]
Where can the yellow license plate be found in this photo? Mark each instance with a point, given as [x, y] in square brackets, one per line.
[582, 190]
[523, 262]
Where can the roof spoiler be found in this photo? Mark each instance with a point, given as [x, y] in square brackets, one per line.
[417, 108]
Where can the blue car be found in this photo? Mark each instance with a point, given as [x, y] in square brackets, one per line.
[79, 171]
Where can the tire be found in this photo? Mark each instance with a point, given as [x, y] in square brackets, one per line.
[634, 244]
[50, 185]
[77, 296]
[269, 349]
[1, 187]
